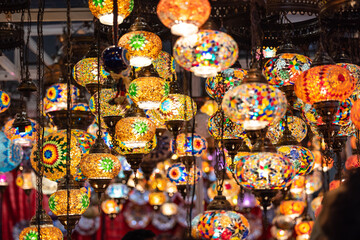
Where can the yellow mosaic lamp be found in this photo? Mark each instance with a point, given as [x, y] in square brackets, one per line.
[47, 229]
[103, 10]
[157, 198]
[78, 203]
[142, 45]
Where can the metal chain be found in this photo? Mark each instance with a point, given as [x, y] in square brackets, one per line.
[22, 46]
[40, 105]
[97, 29]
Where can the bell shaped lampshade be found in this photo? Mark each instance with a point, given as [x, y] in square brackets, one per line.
[23, 138]
[57, 95]
[220, 126]
[11, 154]
[324, 83]
[265, 170]
[182, 16]
[224, 81]
[206, 53]
[100, 166]
[107, 108]
[54, 151]
[355, 114]
[103, 10]
[302, 158]
[177, 107]
[254, 105]
[142, 46]
[284, 68]
[135, 132]
[355, 72]
[190, 145]
[148, 92]
[4, 101]
[292, 208]
[296, 125]
[221, 225]
[178, 174]
[47, 229]
[86, 72]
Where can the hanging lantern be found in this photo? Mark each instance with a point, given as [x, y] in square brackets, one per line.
[254, 104]
[56, 94]
[85, 73]
[352, 162]
[11, 154]
[23, 181]
[302, 158]
[292, 208]
[111, 208]
[178, 107]
[183, 17]
[148, 91]
[47, 229]
[230, 189]
[54, 150]
[169, 209]
[155, 117]
[135, 130]
[303, 229]
[25, 138]
[220, 222]
[157, 198]
[224, 81]
[85, 140]
[355, 72]
[103, 10]
[192, 145]
[206, 53]
[355, 114]
[283, 69]
[209, 107]
[143, 46]
[165, 65]
[118, 191]
[114, 60]
[221, 127]
[4, 101]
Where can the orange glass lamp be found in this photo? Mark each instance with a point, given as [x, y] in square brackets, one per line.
[78, 203]
[355, 114]
[157, 198]
[47, 229]
[352, 162]
[142, 45]
[111, 208]
[304, 228]
[182, 16]
[292, 208]
[103, 10]
[169, 209]
[54, 150]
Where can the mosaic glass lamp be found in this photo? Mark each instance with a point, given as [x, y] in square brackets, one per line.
[355, 114]
[54, 150]
[355, 72]
[103, 10]
[255, 104]
[302, 158]
[56, 94]
[142, 45]
[292, 208]
[25, 138]
[157, 198]
[190, 145]
[206, 53]
[110, 208]
[178, 107]
[220, 126]
[183, 17]
[4, 101]
[11, 154]
[47, 229]
[296, 125]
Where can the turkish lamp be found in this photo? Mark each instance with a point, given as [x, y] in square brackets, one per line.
[26, 86]
[157, 198]
[118, 191]
[4, 101]
[169, 209]
[142, 45]
[47, 229]
[103, 10]
[303, 228]
[21, 122]
[110, 208]
[183, 17]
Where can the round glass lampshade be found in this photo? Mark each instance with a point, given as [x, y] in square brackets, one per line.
[23, 180]
[222, 225]
[122, 149]
[220, 126]
[11, 154]
[23, 138]
[192, 145]
[178, 174]
[57, 95]
[47, 232]
[155, 116]
[84, 139]
[135, 132]
[157, 198]
[355, 114]
[54, 150]
[79, 201]
[304, 227]
[255, 105]
[292, 208]
[284, 68]
[142, 46]
[114, 59]
[265, 170]
[86, 72]
[100, 166]
[109, 206]
[177, 107]
[165, 66]
[182, 16]
[355, 72]
[118, 190]
[107, 108]
[296, 125]
[206, 53]
[323, 83]
[103, 10]
[224, 81]
[302, 158]
[4, 101]
[148, 92]
[169, 209]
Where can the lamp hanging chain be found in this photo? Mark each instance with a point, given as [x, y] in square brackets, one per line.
[26, 54]
[22, 46]
[68, 113]
[40, 107]
[97, 28]
[115, 20]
